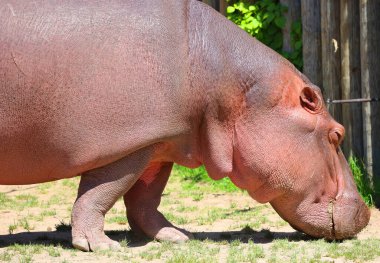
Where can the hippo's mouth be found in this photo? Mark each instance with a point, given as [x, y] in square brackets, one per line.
[349, 215]
[330, 211]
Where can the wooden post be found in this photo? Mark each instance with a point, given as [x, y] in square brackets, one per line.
[350, 81]
[219, 5]
[213, 3]
[330, 39]
[311, 38]
[293, 14]
[370, 68]
[223, 7]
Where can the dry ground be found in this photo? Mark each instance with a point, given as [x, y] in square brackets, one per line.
[228, 227]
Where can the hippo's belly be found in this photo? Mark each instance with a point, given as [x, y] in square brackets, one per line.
[42, 142]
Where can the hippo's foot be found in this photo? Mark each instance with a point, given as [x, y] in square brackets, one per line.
[142, 201]
[95, 242]
[157, 227]
[98, 191]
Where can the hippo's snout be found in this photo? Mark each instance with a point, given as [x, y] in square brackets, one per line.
[349, 216]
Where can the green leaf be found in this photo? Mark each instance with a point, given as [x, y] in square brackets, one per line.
[230, 9]
[270, 17]
[271, 7]
[264, 20]
[280, 21]
[298, 45]
[255, 23]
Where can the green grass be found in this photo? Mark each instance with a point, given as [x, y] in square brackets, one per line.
[25, 224]
[245, 253]
[12, 228]
[18, 202]
[362, 180]
[246, 221]
[175, 219]
[198, 179]
[279, 250]
[119, 219]
[320, 250]
[25, 253]
[189, 252]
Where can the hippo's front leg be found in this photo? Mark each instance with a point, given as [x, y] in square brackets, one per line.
[142, 201]
[99, 189]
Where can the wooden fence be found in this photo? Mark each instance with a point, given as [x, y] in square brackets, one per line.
[342, 55]
[341, 52]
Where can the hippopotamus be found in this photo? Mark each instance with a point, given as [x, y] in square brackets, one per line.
[117, 91]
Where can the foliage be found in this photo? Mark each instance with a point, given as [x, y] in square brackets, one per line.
[362, 181]
[262, 19]
[265, 20]
[296, 42]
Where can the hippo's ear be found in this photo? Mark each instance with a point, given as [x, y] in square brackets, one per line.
[310, 100]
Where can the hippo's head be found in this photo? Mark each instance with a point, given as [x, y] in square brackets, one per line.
[287, 152]
[268, 129]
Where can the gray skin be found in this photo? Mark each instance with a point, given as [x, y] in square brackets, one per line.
[118, 91]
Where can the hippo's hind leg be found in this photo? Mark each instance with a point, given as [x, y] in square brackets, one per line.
[142, 201]
[98, 191]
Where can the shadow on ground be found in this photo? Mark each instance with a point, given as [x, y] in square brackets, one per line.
[63, 238]
[263, 236]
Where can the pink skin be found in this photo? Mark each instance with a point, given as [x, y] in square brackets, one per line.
[95, 88]
[142, 201]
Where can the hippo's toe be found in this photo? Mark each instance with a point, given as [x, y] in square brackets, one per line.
[81, 244]
[95, 243]
[172, 234]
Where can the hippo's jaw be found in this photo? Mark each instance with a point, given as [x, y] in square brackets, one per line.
[347, 221]
[338, 221]
[327, 217]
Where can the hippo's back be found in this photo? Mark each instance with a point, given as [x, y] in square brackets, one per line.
[83, 83]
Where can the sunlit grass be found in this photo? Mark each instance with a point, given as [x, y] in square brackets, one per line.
[362, 180]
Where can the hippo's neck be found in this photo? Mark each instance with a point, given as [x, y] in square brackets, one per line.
[213, 85]
[224, 64]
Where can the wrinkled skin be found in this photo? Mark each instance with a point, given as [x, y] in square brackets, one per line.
[118, 91]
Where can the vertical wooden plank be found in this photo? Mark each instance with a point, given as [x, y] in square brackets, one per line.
[293, 14]
[369, 50]
[374, 27]
[219, 5]
[351, 81]
[330, 39]
[367, 128]
[213, 3]
[223, 7]
[311, 38]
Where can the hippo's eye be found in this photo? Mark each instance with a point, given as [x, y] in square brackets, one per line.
[310, 100]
